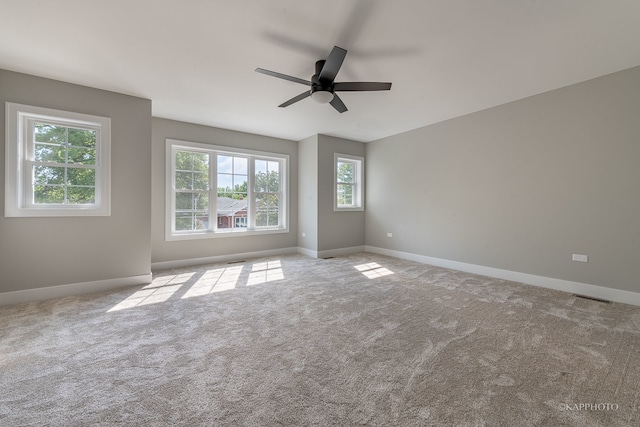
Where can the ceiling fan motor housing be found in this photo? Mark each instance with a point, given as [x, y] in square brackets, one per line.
[320, 85]
[321, 90]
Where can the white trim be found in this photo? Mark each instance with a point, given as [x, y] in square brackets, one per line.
[307, 252]
[51, 292]
[165, 265]
[172, 145]
[610, 294]
[340, 251]
[358, 184]
[330, 252]
[18, 117]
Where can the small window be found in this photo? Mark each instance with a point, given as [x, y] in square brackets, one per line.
[57, 163]
[349, 182]
[215, 191]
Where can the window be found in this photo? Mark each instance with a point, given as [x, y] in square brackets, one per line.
[215, 191]
[348, 186]
[57, 163]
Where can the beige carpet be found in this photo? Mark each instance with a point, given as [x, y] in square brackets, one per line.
[294, 341]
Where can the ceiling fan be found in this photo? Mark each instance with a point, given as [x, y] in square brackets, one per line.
[322, 86]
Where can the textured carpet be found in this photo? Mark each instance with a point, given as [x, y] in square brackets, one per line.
[294, 341]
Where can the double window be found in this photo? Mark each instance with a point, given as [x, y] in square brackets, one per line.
[348, 183]
[57, 163]
[218, 191]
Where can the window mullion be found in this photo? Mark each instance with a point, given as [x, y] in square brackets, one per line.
[173, 189]
[251, 202]
[213, 191]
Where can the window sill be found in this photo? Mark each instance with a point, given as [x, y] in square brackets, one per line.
[62, 212]
[338, 209]
[223, 234]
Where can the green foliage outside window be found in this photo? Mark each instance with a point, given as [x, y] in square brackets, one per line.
[55, 149]
[345, 178]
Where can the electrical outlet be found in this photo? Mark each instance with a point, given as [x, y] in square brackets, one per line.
[304, 234]
[389, 234]
[580, 258]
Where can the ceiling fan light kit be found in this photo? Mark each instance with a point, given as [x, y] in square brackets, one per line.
[322, 96]
[322, 86]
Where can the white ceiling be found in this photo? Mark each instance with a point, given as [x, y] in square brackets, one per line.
[195, 59]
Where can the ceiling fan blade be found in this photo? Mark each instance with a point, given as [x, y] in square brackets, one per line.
[361, 86]
[332, 64]
[283, 76]
[337, 103]
[295, 99]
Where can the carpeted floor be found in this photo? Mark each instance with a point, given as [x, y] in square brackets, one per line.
[294, 341]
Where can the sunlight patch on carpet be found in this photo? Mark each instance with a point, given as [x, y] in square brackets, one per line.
[217, 280]
[160, 290]
[373, 270]
[264, 272]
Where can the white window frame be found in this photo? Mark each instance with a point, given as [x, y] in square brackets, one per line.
[19, 157]
[173, 145]
[358, 184]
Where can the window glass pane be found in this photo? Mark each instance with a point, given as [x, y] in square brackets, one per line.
[50, 153]
[273, 179]
[81, 176]
[184, 160]
[345, 171]
[200, 181]
[345, 194]
[273, 218]
[201, 221]
[184, 201]
[184, 180]
[240, 183]
[267, 206]
[225, 185]
[201, 162]
[48, 194]
[261, 176]
[81, 137]
[240, 165]
[50, 133]
[184, 221]
[81, 195]
[261, 166]
[192, 171]
[228, 209]
[262, 217]
[201, 201]
[48, 175]
[85, 156]
[225, 164]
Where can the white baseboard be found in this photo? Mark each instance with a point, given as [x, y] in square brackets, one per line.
[165, 265]
[331, 252]
[41, 294]
[610, 294]
[340, 251]
[308, 252]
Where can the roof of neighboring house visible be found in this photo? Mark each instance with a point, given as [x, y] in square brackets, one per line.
[227, 206]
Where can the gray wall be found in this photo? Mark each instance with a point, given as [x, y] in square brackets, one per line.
[308, 193]
[336, 229]
[42, 252]
[521, 186]
[325, 229]
[162, 250]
